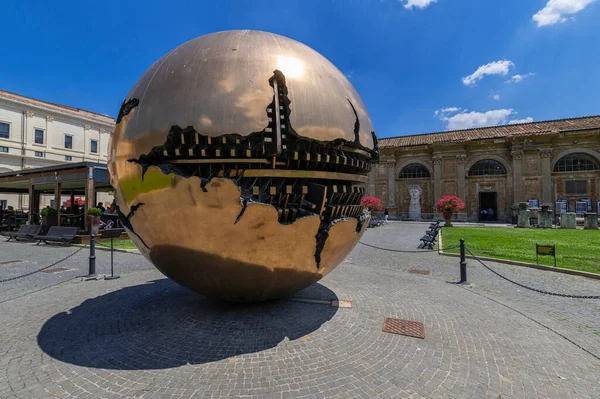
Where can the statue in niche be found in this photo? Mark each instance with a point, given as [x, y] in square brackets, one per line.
[414, 209]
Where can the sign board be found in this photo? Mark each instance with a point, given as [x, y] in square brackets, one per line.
[581, 207]
[545, 250]
[533, 203]
[598, 207]
[561, 206]
[589, 202]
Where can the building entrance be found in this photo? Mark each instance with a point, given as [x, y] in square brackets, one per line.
[488, 201]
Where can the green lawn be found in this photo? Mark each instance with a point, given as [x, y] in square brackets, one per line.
[120, 243]
[575, 249]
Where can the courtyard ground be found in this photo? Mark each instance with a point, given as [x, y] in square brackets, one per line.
[575, 249]
[143, 336]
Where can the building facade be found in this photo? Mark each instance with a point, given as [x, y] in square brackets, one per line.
[36, 133]
[492, 168]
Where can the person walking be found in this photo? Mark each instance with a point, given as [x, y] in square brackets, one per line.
[490, 214]
[386, 214]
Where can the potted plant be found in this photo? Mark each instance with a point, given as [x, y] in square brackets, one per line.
[49, 217]
[448, 205]
[93, 216]
[373, 204]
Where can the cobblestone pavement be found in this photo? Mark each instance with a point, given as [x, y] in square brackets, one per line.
[32, 257]
[143, 336]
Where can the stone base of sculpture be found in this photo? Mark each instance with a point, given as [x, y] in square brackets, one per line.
[545, 218]
[590, 221]
[568, 221]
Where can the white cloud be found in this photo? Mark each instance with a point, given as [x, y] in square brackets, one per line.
[517, 78]
[418, 3]
[496, 97]
[555, 9]
[473, 119]
[447, 110]
[493, 68]
[526, 120]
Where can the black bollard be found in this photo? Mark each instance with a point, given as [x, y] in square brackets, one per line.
[463, 263]
[92, 263]
[112, 270]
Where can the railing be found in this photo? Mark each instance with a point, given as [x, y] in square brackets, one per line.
[426, 217]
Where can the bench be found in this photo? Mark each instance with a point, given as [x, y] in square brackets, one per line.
[27, 231]
[64, 235]
[427, 241]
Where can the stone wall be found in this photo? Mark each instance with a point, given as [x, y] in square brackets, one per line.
[529, 163]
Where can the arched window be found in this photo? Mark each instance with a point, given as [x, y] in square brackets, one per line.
[487, 167]
[414, 171]
[577, 162]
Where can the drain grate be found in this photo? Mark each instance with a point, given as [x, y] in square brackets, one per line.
[6, 262]
[404, 327]
[57, 270]
[422, 272]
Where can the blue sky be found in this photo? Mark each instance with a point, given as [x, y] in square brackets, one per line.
[419, 65]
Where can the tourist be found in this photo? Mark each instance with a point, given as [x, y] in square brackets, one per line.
[386, 214]
[490, 213]
[482, 213]
[101, 207]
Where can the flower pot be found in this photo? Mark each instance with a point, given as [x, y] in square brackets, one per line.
[448, 218]
[49, 221]
[93, 224]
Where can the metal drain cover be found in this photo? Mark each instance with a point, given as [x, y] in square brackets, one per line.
[6, 262]
[423, 272]
[404, 327]
[57, 270]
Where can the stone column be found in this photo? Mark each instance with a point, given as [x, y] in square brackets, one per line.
[524, 213]
[517, 165]
[591, 221]
[568, 220]
[391, 173]
[371, 183]
[545, 154]
[460, 177]
[545, 217]
[437, 178]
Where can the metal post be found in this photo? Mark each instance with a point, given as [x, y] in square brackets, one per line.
[463, 263]
[92, 263]
[112, 273]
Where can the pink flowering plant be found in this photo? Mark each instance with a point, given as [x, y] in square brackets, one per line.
[449, 203]
[372, 203]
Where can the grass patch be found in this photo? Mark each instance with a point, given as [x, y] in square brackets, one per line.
[119, 243]
[575, 249]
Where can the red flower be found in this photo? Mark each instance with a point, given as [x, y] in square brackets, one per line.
[374, 204]
[78, 201]
[449, 203]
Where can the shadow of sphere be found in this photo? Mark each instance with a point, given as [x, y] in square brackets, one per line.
[162, 325]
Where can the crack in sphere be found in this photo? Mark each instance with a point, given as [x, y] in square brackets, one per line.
[239, 161]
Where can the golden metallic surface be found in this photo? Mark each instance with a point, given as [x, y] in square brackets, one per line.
[208, 223]
[200, 246]
[219, 84]
[305, 174]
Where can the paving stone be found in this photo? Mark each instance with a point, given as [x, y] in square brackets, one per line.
[143, 336]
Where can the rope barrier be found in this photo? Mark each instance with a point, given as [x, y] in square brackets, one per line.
[531, 288]
[422, 251]
[43, 268]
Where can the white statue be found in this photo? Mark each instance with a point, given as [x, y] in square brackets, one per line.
[414, 209]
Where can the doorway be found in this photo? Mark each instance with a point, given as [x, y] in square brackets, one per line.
[488, 201]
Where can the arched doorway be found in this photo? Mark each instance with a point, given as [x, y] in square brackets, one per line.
[414, 191]
[487, 173]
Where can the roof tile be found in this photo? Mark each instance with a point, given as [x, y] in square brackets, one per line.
[516, 130]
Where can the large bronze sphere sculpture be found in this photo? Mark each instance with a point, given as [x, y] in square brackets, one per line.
[239, 161]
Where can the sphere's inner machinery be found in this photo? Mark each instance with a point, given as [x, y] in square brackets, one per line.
[276, 166]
